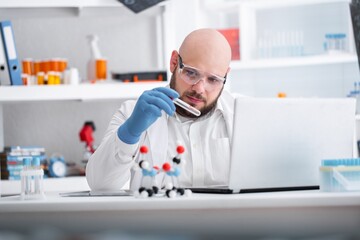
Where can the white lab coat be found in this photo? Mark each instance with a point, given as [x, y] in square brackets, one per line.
[110, 167]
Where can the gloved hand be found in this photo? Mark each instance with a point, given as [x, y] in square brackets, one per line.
[147, 110]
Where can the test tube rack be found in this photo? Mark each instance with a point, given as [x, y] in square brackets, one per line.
[340, 175]
[32, 181]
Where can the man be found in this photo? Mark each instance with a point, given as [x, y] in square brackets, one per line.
[199, 71]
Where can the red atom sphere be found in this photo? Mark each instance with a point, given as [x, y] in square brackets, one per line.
[143, 149]
[180, 149]
[166, 167]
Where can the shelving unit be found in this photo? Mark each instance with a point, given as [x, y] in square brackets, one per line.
[299, 69]
[101, 91]
[257, 17]
[248, 11]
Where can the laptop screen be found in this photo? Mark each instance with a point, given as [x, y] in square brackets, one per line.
[279, 143]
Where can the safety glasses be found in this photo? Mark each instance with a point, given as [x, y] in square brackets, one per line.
[192, 75]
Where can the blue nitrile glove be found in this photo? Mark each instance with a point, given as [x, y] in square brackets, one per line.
[147, 110]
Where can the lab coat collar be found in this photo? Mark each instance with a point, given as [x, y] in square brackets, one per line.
[225, 105]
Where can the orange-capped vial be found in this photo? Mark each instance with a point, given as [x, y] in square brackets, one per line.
[62, 64]
[45, 65]
[101, 69]
[281, 95]
[25, 78]
[57, 78]
[40, 76]
[28, 66]
[37, 67]
[54, 64]
[51, 77]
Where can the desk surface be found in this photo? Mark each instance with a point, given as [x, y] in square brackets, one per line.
[301, 199]
[284, 214]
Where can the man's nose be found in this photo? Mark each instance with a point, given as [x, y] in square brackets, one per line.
[199, 86]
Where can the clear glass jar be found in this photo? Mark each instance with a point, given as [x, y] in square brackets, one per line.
[335, 42]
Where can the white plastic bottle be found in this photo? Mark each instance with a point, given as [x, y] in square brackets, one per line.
[92, 70]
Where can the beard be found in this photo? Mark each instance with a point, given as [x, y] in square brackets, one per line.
[208, 107]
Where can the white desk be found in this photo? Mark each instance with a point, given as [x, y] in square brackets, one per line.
[281, 214]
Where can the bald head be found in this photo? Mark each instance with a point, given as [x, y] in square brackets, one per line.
[206, 49]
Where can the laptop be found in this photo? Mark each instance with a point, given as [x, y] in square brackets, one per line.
[278, 143]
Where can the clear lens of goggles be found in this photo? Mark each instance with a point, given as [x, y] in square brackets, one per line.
[193, 76]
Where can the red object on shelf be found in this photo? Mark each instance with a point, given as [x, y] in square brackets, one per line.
[86, 135]
[232, 35]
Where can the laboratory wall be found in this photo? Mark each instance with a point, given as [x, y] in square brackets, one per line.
[130, 43]
[126, 41]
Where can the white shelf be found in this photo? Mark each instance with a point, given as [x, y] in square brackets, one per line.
[294, 62]
[232, 5]
[261, 4]
[82, 92]
[20, 9]
[63, 3]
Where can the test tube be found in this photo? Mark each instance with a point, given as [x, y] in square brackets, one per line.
[186, 106]
[26, 180]
[36, 166]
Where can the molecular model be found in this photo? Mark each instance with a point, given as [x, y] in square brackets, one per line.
[149, 188]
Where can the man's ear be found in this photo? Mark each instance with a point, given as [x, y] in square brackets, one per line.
[174, 60]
